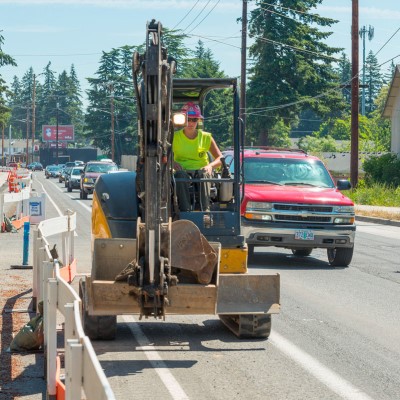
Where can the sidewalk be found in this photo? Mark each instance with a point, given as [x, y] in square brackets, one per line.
[21, 374]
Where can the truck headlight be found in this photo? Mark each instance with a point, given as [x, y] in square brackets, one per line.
[258, 211]
[258, 206]
[344, 209]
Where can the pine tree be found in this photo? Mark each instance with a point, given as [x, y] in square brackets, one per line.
[292, 65]
[374, 80]
[344, 72]
[5, 59]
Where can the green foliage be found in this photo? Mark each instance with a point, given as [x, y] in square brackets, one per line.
[374, 79]
[292, 65]
[344, 72]
[112, 93]
[315, 145]
[375, 194]
[384, 170]
[5, 59]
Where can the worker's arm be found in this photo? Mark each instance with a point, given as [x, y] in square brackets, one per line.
[216, 153]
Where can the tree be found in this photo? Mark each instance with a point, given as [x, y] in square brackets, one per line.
[373, 79]
[344, 72]
[5, 59]
[292, 65]
[111, 94]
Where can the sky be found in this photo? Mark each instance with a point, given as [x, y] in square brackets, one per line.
[76, 32]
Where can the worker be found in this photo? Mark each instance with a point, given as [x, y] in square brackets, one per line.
[190, 147]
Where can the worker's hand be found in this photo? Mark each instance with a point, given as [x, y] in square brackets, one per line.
[208, 169]
[177, 166]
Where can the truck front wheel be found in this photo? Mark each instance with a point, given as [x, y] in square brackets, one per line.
[340, 256]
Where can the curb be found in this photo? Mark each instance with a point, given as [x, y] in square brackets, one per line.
[375, 220]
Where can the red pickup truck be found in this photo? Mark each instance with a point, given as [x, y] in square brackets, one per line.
[291, 201]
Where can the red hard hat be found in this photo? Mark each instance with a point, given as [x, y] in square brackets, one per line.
[192, 110]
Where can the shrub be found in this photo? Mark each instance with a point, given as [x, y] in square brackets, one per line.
[384, 169]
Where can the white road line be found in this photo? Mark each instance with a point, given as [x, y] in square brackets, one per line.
[325, 375]
[57, 187]
[53, 202]
[172, 385]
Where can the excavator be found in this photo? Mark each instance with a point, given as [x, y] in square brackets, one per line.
[152, 260]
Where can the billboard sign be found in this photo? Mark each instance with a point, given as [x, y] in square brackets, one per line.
[65, 132]
[53, 145]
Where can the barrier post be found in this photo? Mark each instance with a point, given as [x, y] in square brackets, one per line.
[73, 368]
[51, 337]
[69, 327]
[2, 223]
[27, 227]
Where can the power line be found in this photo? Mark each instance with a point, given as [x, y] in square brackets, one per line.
[198, 15]
[186, 15]
[205, 16]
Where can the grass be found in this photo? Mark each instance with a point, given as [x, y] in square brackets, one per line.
[376, 195]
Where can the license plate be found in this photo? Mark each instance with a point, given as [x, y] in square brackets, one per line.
[304, 234]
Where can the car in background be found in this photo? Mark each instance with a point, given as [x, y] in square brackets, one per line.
[74, 178]
[37, 167]
[291, 201]
[67, 174]
[12, 165]
[52, 171]
[90, 173]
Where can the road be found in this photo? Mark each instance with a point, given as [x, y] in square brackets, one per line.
[337, 336]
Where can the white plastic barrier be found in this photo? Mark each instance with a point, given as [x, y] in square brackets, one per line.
[19, 198]
[82, 368]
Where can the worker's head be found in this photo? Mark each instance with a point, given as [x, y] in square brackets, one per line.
[192, 111]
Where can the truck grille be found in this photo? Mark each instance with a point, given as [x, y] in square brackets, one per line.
[299, 218]
[303, 207]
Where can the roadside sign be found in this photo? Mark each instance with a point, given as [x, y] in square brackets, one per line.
[65, 132]
[37, 208]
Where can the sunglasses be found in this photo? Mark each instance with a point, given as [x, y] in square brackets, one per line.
[193, 119]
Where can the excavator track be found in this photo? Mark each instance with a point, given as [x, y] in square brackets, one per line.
[248, 325]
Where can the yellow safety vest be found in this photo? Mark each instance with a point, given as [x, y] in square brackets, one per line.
[191, 154]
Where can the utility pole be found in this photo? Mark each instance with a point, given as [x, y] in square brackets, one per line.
[242, 113]
[112, 120]
[57, 134]
[33, 114]
[354, 95]
[27, 136]
[2, 145]
[362, 33]
[9, 143]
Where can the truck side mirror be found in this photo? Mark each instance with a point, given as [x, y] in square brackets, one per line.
[343, 184]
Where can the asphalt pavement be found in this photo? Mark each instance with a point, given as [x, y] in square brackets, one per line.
[21, 374]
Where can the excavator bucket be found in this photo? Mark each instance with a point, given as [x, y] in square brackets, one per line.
[191, 251]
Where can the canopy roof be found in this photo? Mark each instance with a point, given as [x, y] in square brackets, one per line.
[195, 90]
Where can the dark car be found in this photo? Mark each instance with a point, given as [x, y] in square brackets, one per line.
[37, 166]
[52, 171]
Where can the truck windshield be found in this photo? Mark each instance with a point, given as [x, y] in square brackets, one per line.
[101, 168]
[287, 172]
